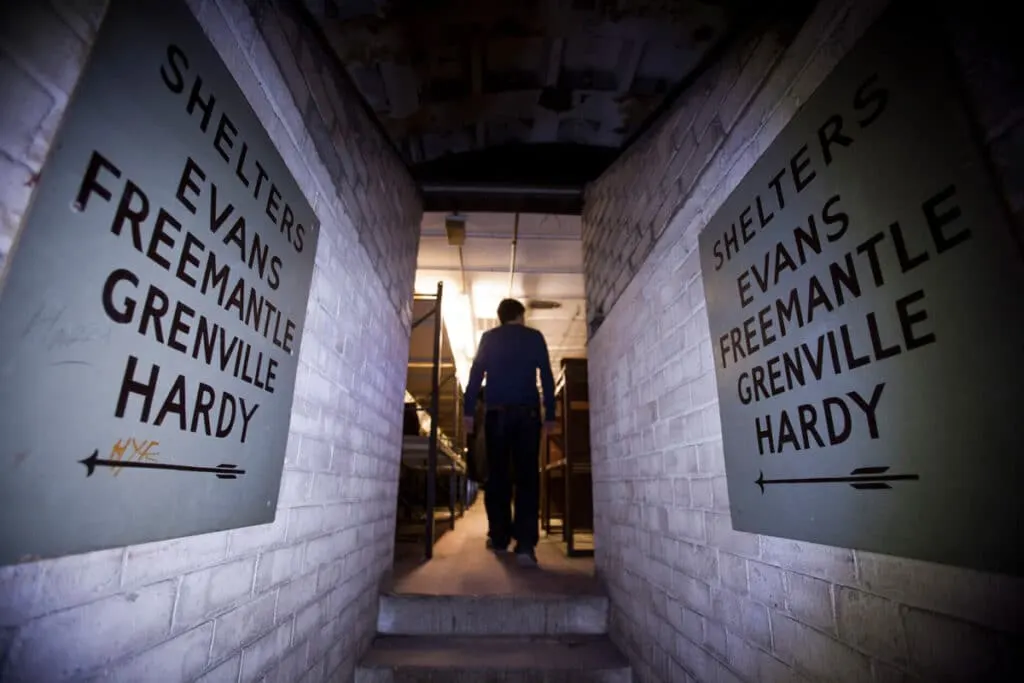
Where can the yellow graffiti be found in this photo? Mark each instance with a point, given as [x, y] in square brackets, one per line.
[140, 451]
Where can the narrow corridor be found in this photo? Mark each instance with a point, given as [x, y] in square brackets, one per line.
[775, 248]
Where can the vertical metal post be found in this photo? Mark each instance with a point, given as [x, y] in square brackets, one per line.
[567, 445]
[435, 410]
[463, 445]
[545, 455]
[453, 477]
[512, 265]
[457, 427]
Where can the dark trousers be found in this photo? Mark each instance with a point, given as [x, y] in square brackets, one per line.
[513, 449]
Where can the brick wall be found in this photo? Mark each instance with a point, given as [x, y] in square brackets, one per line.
[630, 206]
[692, 598]
[989, 51]
[295, 600]
[366, 172]
[627, 210]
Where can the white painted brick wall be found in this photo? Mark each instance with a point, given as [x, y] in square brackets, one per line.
[290, 601]
[692, 599]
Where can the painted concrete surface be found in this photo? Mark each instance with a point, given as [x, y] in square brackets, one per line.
[463, 566]
[509, 660]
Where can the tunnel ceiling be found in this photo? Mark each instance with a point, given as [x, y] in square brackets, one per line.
[542, 91]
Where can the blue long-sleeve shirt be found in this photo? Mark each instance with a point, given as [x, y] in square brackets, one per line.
[510, 356]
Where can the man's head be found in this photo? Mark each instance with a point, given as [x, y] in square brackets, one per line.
[511, 311]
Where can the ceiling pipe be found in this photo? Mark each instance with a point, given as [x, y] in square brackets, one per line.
[462, 271]
[469, 297]
[512, 266]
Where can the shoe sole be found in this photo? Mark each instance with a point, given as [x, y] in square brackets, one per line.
[526, 561]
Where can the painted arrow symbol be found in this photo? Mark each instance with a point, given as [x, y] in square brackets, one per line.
[860, 478]
[224, 471]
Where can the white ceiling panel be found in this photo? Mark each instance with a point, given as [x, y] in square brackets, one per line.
[549, 267]
[496, 281]
[559, 315]
[426, 280]
[546, 225]
[549, 285]
[479, 253]
[502, 224]
[482, 252]
[557, 286]
[435, 252]
[549, 326]
[481, 224]
[556, 256]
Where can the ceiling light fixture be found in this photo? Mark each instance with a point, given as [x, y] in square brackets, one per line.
[455, 229]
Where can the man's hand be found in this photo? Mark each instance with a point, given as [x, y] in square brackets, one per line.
[467, 425]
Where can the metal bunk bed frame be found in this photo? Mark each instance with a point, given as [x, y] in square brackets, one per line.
[434, 447]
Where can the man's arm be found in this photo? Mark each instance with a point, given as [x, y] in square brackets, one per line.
[476, 378]
[547, 381]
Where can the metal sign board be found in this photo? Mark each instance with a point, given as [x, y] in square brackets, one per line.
[863, 292]
[153, 307]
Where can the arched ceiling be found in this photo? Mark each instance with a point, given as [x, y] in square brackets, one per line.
[450, 79]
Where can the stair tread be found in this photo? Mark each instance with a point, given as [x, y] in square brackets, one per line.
[520, 616]
[487, 597]
[495, 652]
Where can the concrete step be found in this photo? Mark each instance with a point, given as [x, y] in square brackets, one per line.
[493, 659]
[492, 615]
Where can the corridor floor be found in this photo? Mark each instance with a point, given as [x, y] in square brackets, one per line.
[462, 565]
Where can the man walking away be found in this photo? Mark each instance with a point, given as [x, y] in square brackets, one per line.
[510, 356]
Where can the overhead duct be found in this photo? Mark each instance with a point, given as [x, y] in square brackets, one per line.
[455, 230]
